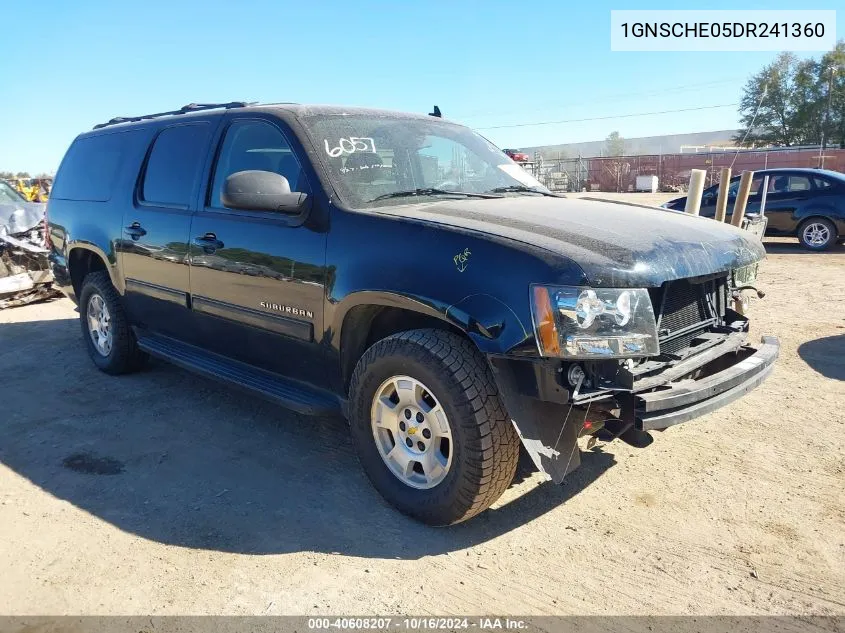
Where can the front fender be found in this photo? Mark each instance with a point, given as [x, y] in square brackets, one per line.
[492, 324]
[495, 327]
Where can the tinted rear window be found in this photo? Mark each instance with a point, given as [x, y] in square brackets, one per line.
[174, 164]
[91, 167]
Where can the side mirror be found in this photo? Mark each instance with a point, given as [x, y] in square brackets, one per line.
[256, 190]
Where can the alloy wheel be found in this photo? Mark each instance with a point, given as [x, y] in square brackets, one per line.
[411, 432]
[99, 324]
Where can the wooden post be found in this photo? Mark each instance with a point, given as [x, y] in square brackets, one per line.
[696, 188]
[742, 197]
[722, 200]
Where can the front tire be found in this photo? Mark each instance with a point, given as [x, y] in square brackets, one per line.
[817, 234]
[429, 426]
[109, 339]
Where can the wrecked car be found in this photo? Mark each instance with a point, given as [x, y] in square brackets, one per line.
[25, 274]
[407, 274]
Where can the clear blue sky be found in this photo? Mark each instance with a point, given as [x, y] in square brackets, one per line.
[73, 64]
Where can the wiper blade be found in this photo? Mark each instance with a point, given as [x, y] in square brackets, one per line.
[431, 191]
[524, 189]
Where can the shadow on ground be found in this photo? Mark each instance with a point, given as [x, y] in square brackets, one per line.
[825, 355]
[181, 460]
[793, 247]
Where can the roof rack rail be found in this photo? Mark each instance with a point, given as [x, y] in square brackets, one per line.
[191, 107]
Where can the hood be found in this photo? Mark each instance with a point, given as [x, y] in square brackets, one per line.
[20, 217]
[615, 244]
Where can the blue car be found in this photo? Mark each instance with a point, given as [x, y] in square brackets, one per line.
[805, 203]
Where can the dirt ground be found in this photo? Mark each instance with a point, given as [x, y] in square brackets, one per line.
[203, 500]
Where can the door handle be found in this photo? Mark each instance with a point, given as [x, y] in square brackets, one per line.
[208, 242]
[135, 231]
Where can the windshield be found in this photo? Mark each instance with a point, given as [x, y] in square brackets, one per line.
[370, 157]
[9, 195]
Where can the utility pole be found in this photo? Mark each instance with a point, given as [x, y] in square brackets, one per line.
[826, 115]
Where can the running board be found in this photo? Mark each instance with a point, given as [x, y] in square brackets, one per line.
[291, 394]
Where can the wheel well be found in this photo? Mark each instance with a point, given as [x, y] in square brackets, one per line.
[81, 261]
[364, 325]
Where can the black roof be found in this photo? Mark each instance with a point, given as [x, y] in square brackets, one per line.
[294, 108]
[792, 170]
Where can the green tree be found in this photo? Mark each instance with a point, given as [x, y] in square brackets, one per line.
[614, 144]
[766, 107]
[790, 101]
[831, 76]
[22, 174]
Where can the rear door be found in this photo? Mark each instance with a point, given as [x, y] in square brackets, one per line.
[154, 245]
[787, 193]
[258, 277]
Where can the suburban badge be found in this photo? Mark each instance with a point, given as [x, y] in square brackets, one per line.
[292, 310]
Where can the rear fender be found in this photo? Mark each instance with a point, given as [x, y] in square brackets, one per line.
[827, 213]
[61, 259]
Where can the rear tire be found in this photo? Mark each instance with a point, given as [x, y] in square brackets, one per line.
[482, 446]
[817, 234]
[109, 339]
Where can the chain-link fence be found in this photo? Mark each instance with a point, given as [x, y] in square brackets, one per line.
[619, 173]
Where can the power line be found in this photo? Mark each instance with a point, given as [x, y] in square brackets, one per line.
[594, 98]
[751, 125]
[603, 118]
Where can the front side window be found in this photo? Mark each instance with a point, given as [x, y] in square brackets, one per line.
[174, 164]
[255, 145]
[756, 184]
[370, 157]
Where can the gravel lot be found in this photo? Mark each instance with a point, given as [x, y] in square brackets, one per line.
[203, 500]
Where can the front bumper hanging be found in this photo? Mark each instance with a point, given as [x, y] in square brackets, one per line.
[687, 399]
[549, 423]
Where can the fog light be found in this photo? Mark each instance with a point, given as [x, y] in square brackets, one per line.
[574, 375]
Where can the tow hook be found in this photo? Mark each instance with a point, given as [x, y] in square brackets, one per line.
[760, 293]
[625, 431]
[740, 303]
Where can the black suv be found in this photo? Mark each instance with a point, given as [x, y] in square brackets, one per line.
[805, 203]
[400, 270]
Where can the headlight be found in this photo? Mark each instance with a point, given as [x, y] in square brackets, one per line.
[579, 322]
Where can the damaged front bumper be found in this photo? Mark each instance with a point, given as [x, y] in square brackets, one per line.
[684, 400]
[550, 417]
[25, 274]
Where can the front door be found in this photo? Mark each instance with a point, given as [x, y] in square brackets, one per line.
[154, 245]
[258, 277]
